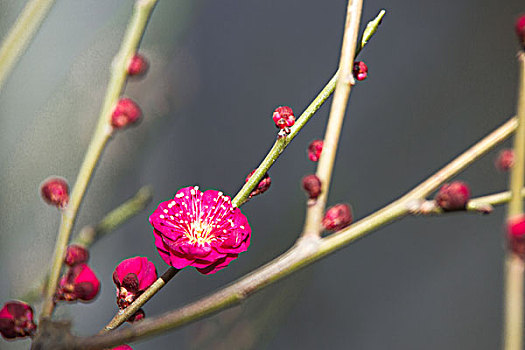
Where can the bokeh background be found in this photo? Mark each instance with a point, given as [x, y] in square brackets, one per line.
[442, 74]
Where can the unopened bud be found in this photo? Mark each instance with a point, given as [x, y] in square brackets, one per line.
[516, 234]
[505, 160]
[126, 113]
[453, 196]
[76, 254]
[520, 30]
[137, 316]
[79, 283]
[337, 217]
[283, 118]
[138, 65]
[312, 186]
[360, 70]
[55, 191]
[262, 186]
[314, 150]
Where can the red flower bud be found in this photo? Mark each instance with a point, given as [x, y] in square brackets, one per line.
[137, 316]
[138, 65]
[262, 186]
[360, 70]
[453, 196]
[337, 217]
[283, 118]
[312, 186]
[520, 29]
[126, 113]
[505, 160]
[16, 320]
[132, 277]
[76, 254]
[79, 283]
[516, 234]
[55, 191]
[314, 150]
[122, 347]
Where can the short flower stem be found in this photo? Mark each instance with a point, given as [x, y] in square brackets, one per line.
[20, 35]
[91, 234]
[514, 266]
[303, 253]
[134, 33]
[123, 315]
[314, 213]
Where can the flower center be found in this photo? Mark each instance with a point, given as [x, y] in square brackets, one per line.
[200, 233]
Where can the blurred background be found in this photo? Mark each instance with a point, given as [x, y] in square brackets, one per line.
[442, 74]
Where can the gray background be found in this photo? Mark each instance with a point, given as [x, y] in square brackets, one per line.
[442, 75]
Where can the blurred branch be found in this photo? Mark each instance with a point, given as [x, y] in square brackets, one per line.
[134, 33]
[514, 267]
[325, 166]
[18, 38]
[91, 234]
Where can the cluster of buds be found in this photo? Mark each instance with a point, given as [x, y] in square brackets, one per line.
[79, 282]
[360, 70]
[453, 196]
[505, 160]
[284, 119]
[262, 186]
[337, 217]
[126, 112]
[314, 150]
[132, 277]
[16, 320]
[55, 191]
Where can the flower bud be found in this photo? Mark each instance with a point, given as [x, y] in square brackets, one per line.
[520, 29]
[312, 186]
[262, 186]
[360, 70]
[137, 316]
[55, 191]
[79, 283]
[126, 113]
[314, 150]
[16, 320]
[76, 254]
[122, 347]
[138, 65]
[516, 234]
[337, 217]
[505, 160]
[132, 277]
[283, 118]
[453, 196]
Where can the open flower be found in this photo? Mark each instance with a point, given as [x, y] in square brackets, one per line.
[203, 230]
[132, 277]
[16, 320]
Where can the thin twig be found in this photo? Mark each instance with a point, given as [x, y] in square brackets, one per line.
[514, 267]
[20, 35]
[281, 143]
[134, 33]
[303, 253]
[314, 213]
